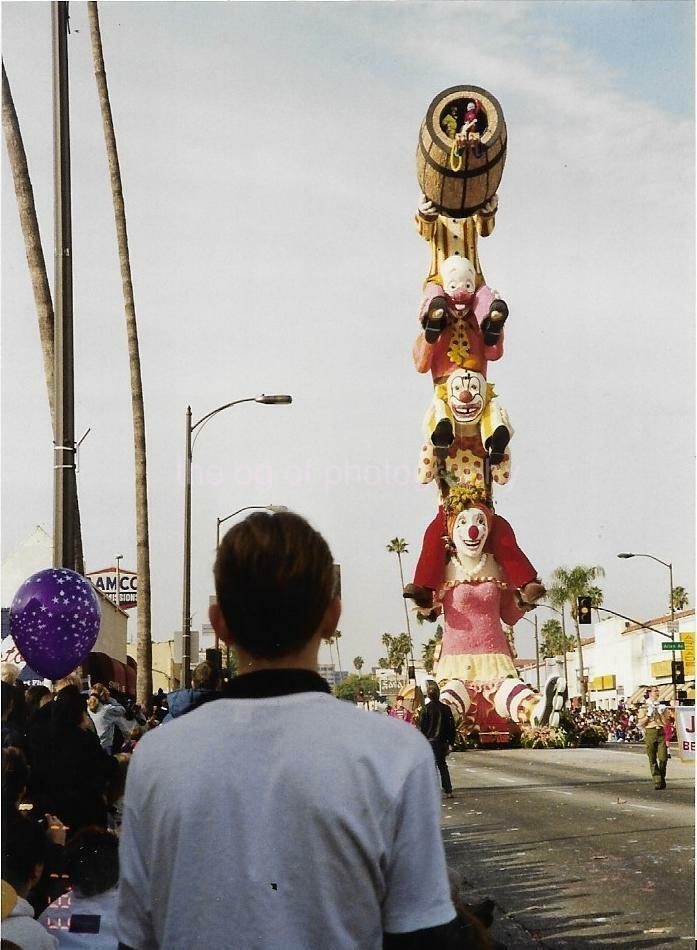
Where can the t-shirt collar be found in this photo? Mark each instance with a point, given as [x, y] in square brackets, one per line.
[264, 683]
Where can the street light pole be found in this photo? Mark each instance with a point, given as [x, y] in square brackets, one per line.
[186, 605]
[64, 482]
[669, 565]
[537, 649]
[118, 559]
[273, 400]
[406, 614]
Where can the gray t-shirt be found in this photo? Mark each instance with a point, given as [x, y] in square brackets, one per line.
[292, 821]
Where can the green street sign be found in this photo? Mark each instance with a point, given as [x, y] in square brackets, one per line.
[673, 645]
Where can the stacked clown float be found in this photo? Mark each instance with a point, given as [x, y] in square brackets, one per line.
[471, 569]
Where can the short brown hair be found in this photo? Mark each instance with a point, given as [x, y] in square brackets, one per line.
[205, 676]
[92, 860]
[274, 579]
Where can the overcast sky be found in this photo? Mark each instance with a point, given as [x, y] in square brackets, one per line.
[267, 154]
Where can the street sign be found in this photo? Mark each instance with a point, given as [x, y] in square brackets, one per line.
[673, 645]
[673, 626]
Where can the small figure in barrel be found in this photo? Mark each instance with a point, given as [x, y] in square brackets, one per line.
[469, 134]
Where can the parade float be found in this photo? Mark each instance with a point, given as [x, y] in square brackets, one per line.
[471, 571]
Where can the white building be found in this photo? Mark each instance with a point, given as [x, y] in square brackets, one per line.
[621, 658]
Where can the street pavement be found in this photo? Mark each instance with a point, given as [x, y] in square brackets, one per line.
[575, 846]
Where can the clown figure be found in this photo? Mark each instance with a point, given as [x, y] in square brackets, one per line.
[475, 665]
[465, 424]
[453, 339]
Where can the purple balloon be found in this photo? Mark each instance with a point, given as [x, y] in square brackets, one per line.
[54, 620]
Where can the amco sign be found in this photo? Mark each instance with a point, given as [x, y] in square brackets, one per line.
[106, 582]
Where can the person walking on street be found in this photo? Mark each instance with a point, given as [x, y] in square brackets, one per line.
[652, 717]
[438, 725]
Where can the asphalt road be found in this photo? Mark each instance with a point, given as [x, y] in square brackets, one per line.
[575, 846]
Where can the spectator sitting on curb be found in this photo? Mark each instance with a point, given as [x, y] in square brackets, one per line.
[205, 687]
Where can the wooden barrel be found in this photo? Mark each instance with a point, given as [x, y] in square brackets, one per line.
[459, 184]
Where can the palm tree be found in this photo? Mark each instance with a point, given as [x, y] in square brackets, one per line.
[398, 649]
[337, 637]
[596, 596]
[567, 586]
[37, 267]
[680, 598]
[399, 547]
[553, 642]
[358, 662]
[144, 643]
[429, 649]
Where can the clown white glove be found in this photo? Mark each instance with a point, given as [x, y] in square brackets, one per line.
[426, 208]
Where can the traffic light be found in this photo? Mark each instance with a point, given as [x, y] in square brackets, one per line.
[677, 670]
[583, 609]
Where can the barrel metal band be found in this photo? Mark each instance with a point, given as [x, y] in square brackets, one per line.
[470, 172]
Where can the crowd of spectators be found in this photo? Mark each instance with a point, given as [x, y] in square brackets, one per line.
[620, 724]
[65, 755]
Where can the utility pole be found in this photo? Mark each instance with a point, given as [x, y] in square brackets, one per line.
[64, 482]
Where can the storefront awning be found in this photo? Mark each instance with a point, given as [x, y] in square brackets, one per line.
[101, 668]
[665, 693]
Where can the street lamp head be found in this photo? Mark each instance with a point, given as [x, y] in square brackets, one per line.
[275, 509]
[280, 399]
[625, 555]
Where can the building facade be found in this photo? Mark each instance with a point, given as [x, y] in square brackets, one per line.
[621, 658]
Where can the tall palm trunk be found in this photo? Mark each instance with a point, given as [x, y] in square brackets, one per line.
[37, 265]
[337, 637]
[144, 643]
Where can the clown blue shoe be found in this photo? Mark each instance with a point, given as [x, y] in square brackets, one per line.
[551, 703]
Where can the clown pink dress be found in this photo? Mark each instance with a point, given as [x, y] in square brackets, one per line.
[476, 659]
[475, 647]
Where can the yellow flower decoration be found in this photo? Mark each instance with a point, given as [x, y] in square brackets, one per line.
[460, 496]
[459, 353]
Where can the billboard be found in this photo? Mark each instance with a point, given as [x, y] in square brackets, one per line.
[106, 580]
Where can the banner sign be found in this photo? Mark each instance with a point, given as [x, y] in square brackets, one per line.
[685, 721]
[689, 653]
[9, 653]
[105, 582]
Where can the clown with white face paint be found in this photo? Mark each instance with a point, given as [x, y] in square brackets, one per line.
[462, 320]
[465, 424]
[475, 666]
[453, 339]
